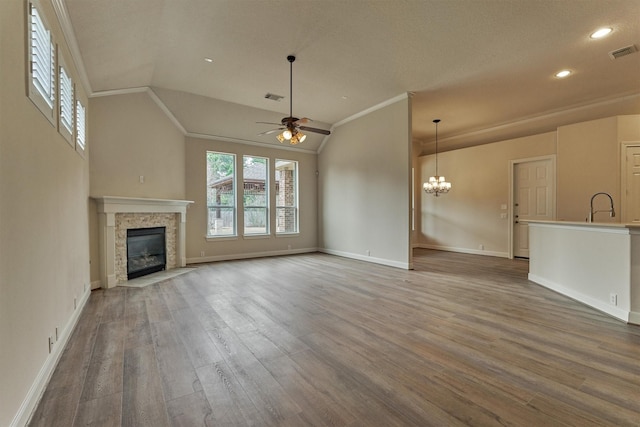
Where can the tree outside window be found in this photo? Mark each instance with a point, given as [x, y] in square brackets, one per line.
[255, 174]
[221, 198]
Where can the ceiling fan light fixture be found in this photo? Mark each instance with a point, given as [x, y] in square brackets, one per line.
[290, 125]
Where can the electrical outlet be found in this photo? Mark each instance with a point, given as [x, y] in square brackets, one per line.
[50, 344]
[288, 247]
[613, 299]
[201, 253]
[56, 334]
[368, 252]
[481, 247]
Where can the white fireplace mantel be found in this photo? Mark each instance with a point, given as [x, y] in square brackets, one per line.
[109, 206]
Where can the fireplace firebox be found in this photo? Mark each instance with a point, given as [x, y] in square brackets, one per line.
[146, 251]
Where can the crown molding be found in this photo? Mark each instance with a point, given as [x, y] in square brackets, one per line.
[247, 142]
[176, 122]
[548, 115]
[406, 95]
[166, 111]
[370, 110]
[125, 91]
[70, 37]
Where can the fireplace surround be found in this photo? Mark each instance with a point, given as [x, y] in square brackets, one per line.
[118, 214]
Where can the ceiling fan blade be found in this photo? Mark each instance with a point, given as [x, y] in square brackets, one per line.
[270, 123]
[316, 130]
[303, 121]
[269, 132]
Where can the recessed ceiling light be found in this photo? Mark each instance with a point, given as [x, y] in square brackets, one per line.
[208, 60]
[345, 97]
[601, 32]
[562, 74]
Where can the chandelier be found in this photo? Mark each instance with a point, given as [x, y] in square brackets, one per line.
[437, 184]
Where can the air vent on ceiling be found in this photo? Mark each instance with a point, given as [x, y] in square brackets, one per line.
[273, 97]
[623, 51]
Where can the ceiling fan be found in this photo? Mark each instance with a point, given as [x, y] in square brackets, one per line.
[291, 127]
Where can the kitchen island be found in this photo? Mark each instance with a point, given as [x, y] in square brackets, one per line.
[597, 264]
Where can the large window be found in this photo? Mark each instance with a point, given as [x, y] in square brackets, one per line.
[221, 196]
[255, 173]
[42, 64]
[287, 196]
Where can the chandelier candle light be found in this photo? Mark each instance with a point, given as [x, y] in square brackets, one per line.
[436, 184]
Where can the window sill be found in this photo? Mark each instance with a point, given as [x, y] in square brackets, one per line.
[219, 238]
[292, 234]
[256, 236]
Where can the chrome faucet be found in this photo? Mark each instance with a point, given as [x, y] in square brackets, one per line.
[612, 212]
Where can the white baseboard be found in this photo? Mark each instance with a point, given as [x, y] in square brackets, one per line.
[383, 261]
[96, 284]
[30, 402]
[634, 317]
[462, 250]
[604, 307]
[230, 257]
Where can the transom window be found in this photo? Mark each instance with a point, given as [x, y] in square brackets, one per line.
[42, 64]
[67, 117]
[81, 130]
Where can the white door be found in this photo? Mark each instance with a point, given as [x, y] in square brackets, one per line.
[632, 171]
[533, 199]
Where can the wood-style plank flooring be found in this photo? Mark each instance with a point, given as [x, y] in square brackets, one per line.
[318, 340]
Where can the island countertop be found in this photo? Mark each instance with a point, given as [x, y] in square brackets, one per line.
[595, 263]
[635, 225]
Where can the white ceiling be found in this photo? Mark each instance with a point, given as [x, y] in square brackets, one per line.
[485, 67]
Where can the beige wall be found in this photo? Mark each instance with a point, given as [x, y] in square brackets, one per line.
[469, 215]
[588, 162]
[365, 187]
[239, 247]
[44, 189]
[132, 137]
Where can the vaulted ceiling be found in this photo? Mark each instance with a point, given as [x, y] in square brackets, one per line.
[485, 67]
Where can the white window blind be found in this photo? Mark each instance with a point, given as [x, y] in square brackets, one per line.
[42, 58]
[81, 136]
[66, 101]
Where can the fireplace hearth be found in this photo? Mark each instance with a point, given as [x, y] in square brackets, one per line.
[146, 251]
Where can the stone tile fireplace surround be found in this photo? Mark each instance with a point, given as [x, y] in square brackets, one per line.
[117, 214]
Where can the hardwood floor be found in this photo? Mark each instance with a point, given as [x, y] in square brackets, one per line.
[318, 340]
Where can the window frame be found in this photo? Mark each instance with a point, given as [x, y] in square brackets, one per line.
[234, 197]
[45, 102]
[296, 199]
[265, 207]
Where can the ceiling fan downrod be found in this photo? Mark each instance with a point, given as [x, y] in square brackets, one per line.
[291, 58]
